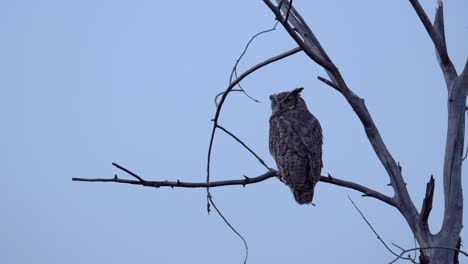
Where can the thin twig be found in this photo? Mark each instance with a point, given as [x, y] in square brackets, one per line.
[234, 68]
[397, 246]
[247, 47]
[232, 228]
[246, 147]
[412, 259]
[243, 90]
[127, 171]
[234, 90]
[373, 230]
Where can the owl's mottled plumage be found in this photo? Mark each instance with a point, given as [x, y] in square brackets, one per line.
[296, 144]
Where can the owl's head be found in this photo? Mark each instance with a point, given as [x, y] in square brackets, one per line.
[287, 101]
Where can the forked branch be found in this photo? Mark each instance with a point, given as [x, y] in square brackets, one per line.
[437, 35]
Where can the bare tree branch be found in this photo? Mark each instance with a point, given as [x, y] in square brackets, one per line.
[313, 55]
[329, 83]
[235, 90]
[437, 35]
[127, 171]
[427, 202]
[375, 232]
[231, 227]
[367, 192]
[180, 184]
[246, 181]
[234, 68]
[246, 147]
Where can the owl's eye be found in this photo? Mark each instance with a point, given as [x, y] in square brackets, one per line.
[289, 100]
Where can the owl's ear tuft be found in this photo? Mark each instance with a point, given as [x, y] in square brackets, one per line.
[297, 90]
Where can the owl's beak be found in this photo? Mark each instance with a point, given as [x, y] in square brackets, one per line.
[296, 91]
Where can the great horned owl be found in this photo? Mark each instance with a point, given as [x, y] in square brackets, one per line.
[296, 144]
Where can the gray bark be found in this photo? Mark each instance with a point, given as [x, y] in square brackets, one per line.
[435, 248]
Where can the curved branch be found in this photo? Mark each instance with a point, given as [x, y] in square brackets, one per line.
[245, 146]
[367, 192]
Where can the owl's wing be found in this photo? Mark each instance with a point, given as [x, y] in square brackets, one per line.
[310, 134]
[274, 137]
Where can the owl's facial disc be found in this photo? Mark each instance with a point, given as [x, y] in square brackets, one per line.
[290, 101]
[274, 103]
[286, 100]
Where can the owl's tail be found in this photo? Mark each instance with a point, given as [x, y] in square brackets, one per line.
[303, 195]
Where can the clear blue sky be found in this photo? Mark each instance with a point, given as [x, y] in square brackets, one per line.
[87, 83]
